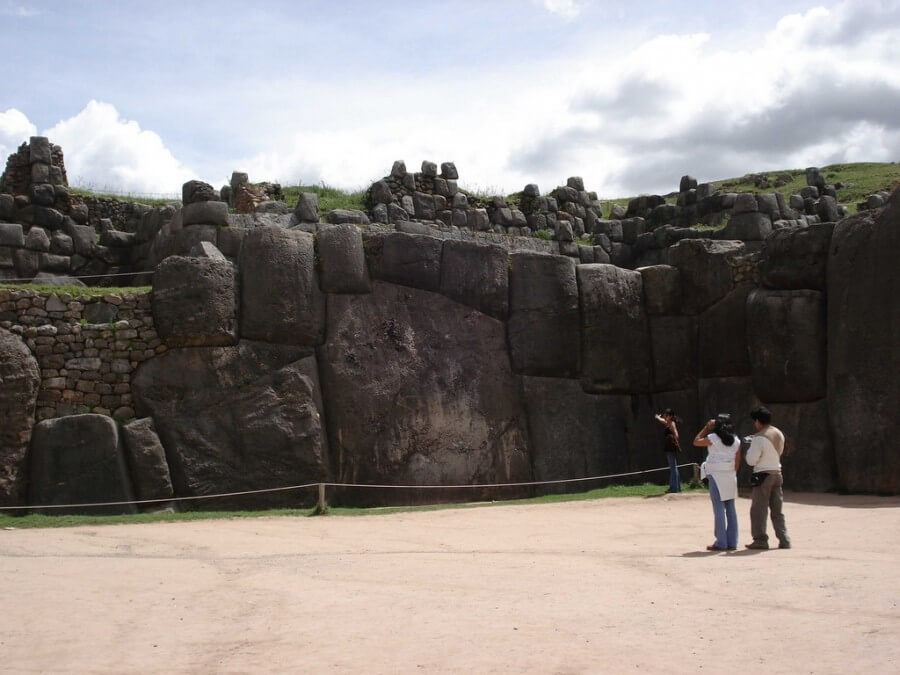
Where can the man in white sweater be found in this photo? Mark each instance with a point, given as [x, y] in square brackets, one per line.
[764, 455]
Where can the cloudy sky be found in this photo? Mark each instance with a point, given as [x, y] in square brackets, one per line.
[630, 95]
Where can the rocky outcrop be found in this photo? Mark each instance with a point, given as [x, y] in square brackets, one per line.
[79, 460]
[247, 417]
[20, 378]
[280, 297]
[864, 348]
[419, 390]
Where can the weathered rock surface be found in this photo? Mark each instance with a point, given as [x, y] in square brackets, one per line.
[419, 390]
[406, 259]
[705, 273]
[574, 434]
[237, 418]
[79, 460]
[616, 336]
[808, 462]
[342, 259]
[476, 275]
[864, 348]
[280, 297]
[20, 378]
[662, 289]
[722, 336]
[147, 459]
[673, 344]
[795, 258]
[195, 301]
[786, 343]
[544, 325]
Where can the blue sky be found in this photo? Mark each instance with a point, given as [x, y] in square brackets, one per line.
[630, 95]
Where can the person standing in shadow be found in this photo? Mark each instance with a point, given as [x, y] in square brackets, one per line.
[671, 446]
[721, 465]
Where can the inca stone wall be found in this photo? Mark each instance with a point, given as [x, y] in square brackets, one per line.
[276, 349]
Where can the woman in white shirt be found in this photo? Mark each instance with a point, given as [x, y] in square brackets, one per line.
[721, 467]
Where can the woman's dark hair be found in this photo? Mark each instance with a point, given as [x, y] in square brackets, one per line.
[761, 414]
[724, 429]
[671, 413]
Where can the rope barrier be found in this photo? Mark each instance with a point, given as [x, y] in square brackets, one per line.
[85, 276]
[322, 485]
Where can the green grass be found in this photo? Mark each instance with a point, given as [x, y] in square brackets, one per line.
[71, 289]
[330, 198]
[862, 179]
[123, 197]
[44, 521]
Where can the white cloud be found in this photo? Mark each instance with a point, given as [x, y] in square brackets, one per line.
[567, 9]
[813, 90]
[14, 130]
[105, 151]
[18, 11]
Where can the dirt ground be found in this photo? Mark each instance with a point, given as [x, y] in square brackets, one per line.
[614, 585]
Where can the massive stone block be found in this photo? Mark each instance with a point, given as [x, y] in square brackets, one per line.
[864, 349]
[616, 336]
[705, 272]
[544, 324]
[194, 301]
[662, 289]
[673, 344]
[476, 275]
[79, 460]
[574, 434]
[147, 459]
[795, 258]
[722, 336]
[406, 259]
[342, 259]
[237, 418]
[280, 297]
[808, 462]
[20, 378]
[419, 390]
[786, 342]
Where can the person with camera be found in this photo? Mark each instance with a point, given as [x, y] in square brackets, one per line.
[671, 446]
[764, 455]
[721, 465]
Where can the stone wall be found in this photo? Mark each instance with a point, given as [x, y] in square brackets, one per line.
[87, 347]
[366, 354]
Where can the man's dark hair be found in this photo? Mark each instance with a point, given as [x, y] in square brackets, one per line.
[761, 414]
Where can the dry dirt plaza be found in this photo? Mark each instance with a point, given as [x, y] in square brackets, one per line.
[612, 585]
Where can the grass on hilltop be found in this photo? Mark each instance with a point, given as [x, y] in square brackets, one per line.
[41, 521]
[136, 197]
[330, 198]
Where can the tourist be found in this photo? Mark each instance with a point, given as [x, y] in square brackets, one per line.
[764, 455]
[721, 468]
[671, 446]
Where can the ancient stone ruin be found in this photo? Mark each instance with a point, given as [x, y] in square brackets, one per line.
[450, 347]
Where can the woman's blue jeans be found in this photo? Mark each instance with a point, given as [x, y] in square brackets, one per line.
[674, 478]
[724, 518]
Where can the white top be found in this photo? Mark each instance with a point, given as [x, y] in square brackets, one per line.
[720, 465]
[762, 454]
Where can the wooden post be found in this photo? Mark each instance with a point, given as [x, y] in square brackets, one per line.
[696, 468]
[321, 506]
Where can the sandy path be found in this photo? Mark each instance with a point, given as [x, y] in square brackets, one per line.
[618, 585]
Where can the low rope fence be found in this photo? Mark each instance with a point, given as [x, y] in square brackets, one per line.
[32, 280]
[322, 505]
